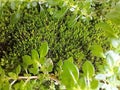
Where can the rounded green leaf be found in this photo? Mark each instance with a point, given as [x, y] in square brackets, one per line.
[18, 69]
[70, 74]
[12, 75]
[88, 69]
[97, 50]
[27, 60]
[43, 49]
[35, 55]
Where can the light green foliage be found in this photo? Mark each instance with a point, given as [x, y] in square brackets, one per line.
[71, 78]
[97, 50]
[88, 69]
[44, 49]
[27, 60]
[18, 70]
[88, 80]
[35, 55]
[88, 77]
[107, 29]
[12, 75]
[114, 15]
[82, 83]
[94, 84]
[38, 60]
[32, 71]
[70, 74]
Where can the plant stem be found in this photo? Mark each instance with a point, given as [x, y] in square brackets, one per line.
[52, 77]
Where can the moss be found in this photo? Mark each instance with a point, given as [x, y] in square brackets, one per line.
[24, 29]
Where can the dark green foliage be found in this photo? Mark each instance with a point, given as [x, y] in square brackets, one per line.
[25, 25]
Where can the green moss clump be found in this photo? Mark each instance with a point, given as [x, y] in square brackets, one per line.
[24, 25]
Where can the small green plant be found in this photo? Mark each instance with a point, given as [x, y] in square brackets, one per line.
[70, 74]
[75, 80]
[35, 68]
[106, 79]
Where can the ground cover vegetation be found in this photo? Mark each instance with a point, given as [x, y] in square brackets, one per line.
[57, 44]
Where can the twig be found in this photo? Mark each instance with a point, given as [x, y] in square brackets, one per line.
[24, 78]
[52, 77]
[12, 84]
